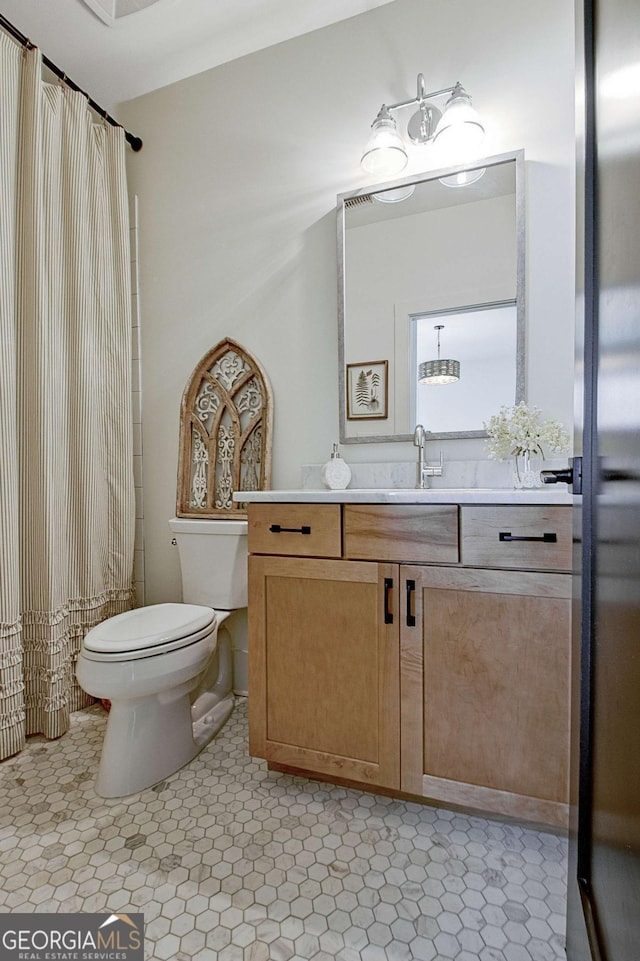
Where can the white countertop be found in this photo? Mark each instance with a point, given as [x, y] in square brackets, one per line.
[543, 495]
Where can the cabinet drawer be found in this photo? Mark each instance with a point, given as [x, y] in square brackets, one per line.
[414, 533]
[536, 538]
[303, 530]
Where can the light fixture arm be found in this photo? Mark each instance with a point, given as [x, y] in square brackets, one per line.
[421, 95]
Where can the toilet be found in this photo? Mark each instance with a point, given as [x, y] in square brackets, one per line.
[168, 669]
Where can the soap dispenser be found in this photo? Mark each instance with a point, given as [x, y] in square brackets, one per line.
[335, 473]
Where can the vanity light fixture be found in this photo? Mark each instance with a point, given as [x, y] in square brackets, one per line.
[440, 371]
[458, 129]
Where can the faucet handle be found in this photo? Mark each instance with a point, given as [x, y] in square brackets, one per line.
[435, 470]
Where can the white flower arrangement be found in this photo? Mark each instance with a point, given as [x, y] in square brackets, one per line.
[521, 430]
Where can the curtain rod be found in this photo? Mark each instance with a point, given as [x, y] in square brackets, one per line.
[133, 141]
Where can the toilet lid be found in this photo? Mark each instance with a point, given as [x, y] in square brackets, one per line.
[148, 627]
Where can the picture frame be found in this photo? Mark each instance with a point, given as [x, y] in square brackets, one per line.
[368, 390]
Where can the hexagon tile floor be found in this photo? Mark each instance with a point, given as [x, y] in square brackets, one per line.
[231, 862]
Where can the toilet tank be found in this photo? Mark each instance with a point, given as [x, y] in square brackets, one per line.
[213, 561]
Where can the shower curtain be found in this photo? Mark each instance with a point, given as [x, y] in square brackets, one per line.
[66, 477]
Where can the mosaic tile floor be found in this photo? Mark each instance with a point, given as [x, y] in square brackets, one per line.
[230, 862]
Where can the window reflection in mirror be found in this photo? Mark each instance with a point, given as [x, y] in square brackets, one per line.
[438, 251]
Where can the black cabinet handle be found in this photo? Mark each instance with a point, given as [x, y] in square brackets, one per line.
[277, 529]
[411, 618]
[543, 538]
[388, 592]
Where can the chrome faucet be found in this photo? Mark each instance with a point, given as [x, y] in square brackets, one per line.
[423, 470]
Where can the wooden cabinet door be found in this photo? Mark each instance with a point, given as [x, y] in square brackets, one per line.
[485, 689]
[324, 667]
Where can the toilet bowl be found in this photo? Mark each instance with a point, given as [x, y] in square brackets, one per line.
[168, 668]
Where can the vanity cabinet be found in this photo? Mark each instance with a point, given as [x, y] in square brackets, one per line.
[485, 667]
[485, 690]
[324, 663]
[430, 658]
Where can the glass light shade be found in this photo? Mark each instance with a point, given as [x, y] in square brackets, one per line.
[464, 178]
[460, 130]
[441, 371]
[384, 153]
[394, 196]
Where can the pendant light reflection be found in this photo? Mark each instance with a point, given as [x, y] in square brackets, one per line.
[440, 371]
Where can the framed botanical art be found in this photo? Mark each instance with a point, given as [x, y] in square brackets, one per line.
[367, 390]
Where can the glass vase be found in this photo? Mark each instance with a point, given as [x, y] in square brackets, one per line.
[526, 471]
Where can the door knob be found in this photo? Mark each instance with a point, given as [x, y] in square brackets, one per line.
[571, 475]
[563, 476]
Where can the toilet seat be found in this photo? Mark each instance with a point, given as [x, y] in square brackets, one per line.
[148, 631]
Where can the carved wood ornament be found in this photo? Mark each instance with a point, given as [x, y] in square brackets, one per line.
[226, 421]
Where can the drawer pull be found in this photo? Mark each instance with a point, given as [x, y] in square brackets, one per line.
[388, 592]
[277, 529]
[411, 589]
[544, 538]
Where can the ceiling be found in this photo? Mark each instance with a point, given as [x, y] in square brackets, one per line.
[165, 41]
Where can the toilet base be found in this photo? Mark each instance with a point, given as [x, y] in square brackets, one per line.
[148, 740]
[206, 727]
[163, 710]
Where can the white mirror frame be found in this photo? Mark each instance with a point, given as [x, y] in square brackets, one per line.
[518, 158]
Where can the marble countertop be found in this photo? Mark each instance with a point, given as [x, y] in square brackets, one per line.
[544, 495]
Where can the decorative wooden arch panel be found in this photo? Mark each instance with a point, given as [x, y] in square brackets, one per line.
[226, 421]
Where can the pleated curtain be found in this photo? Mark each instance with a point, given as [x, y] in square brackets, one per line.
[66, 477]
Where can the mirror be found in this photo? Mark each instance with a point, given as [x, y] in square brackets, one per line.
[421, 258]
